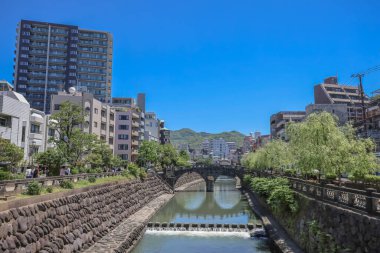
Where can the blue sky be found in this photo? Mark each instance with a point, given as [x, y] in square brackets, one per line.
[214, 65]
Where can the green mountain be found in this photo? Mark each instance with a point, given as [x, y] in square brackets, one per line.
[195, 139]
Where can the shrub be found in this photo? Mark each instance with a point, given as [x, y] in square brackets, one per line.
[264, 186]
[372, 179]
[290, 172]
[247, 179]
[49, 189]
[67, 184]
[134, 170]
[142, 174]
[5, 175]
[125, 173]
[83, 170]
[34, 188]
[282, 199]
[74, 171]
[92, 179]
[330, 176]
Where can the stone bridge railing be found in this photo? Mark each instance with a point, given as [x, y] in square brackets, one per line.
[12, 187]
[362, 200]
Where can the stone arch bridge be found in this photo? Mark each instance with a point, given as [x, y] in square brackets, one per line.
[208, 173]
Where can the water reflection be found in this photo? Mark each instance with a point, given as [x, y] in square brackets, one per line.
[224, 205]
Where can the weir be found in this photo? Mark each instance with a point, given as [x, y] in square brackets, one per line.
[204, 227]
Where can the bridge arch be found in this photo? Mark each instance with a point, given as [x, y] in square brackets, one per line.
[208, 173]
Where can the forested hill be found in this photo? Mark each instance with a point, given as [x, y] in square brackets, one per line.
[195, 139]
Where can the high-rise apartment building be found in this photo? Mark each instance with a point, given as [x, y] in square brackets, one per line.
[152, 127]
[331, 92]
[54, 57]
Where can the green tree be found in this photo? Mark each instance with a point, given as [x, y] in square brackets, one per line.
[169, 156]
[52, 159]
[72, 142]
[149, 154]
[10, 153]
[183, 159]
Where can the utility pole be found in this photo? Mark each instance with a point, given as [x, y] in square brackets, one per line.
[361, 90]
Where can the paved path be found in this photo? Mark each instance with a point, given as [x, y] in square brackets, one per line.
[185, 186]
[125, 235]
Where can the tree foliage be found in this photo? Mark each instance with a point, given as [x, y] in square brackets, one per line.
[52, 159]
[10, 153]
[149, 154]
[317, 146]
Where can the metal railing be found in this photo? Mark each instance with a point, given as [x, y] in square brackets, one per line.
[13, 187]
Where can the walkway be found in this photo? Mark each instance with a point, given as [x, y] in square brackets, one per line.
[124, 236]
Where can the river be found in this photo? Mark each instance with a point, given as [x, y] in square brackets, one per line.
[225, 205]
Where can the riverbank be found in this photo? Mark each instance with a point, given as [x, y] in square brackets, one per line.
[281, 240]
[125, 236]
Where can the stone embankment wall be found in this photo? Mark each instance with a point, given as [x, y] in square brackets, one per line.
[187, 178]
[323, 227]
[76, 222]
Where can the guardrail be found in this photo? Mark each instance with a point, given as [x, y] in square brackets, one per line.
[12, 187]
[363, 200]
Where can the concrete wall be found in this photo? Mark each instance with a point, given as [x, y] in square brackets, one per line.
[74, 223]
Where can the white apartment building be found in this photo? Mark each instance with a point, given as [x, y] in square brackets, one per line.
[219, 149]
[21, 125]
[152, 127]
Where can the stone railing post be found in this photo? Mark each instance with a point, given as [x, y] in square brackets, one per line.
[369, 200]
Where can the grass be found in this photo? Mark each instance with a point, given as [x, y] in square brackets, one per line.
[78, 185]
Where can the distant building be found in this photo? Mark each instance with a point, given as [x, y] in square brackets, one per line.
[99, 117]
[206, 149]
[261, 141]
[129, 127]
[50, 58]
[231, 145]
[339, 110]
[247, 143]
[330, 92]
[151, 127]
[279, 121]
[219, 149]
[164, 133]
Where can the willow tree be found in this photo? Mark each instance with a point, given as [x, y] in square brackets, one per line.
[277, 155]
[318, 144]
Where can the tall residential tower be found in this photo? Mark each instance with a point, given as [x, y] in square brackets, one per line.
[53, 57]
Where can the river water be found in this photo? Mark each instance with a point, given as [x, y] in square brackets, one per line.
[226, 205]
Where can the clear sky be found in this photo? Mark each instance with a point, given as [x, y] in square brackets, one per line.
[215, 65]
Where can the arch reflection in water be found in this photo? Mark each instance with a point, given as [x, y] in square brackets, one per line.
[224, 205]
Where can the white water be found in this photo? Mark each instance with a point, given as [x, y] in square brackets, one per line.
[198, 233]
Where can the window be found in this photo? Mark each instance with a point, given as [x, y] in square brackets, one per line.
[26, 25]
[124, 156]
[72, 74]
[103, 126]
[103, 113]
[51, 132]
[34, 129]
[25, 41]
[21, 86]
[23, 71]
[4, 122]
[123, 137]
[123, 146]
[72, 67]
[24, 48]
[110, 141]
[23, 134]
[95, 124]
[123, 117]
[96, 111]
[24, 56]
[23, 63]
[123, 127]
[57, 107]
[22, 78]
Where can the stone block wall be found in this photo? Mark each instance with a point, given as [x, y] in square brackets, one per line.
[187, 178]
[322, 227]
[74, 223]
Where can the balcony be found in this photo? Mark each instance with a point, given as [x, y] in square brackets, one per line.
[135, 116]
[135, 143]
[135, 151]
[36, 118]
[35, 136]
[135, 124]
[135, 133]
